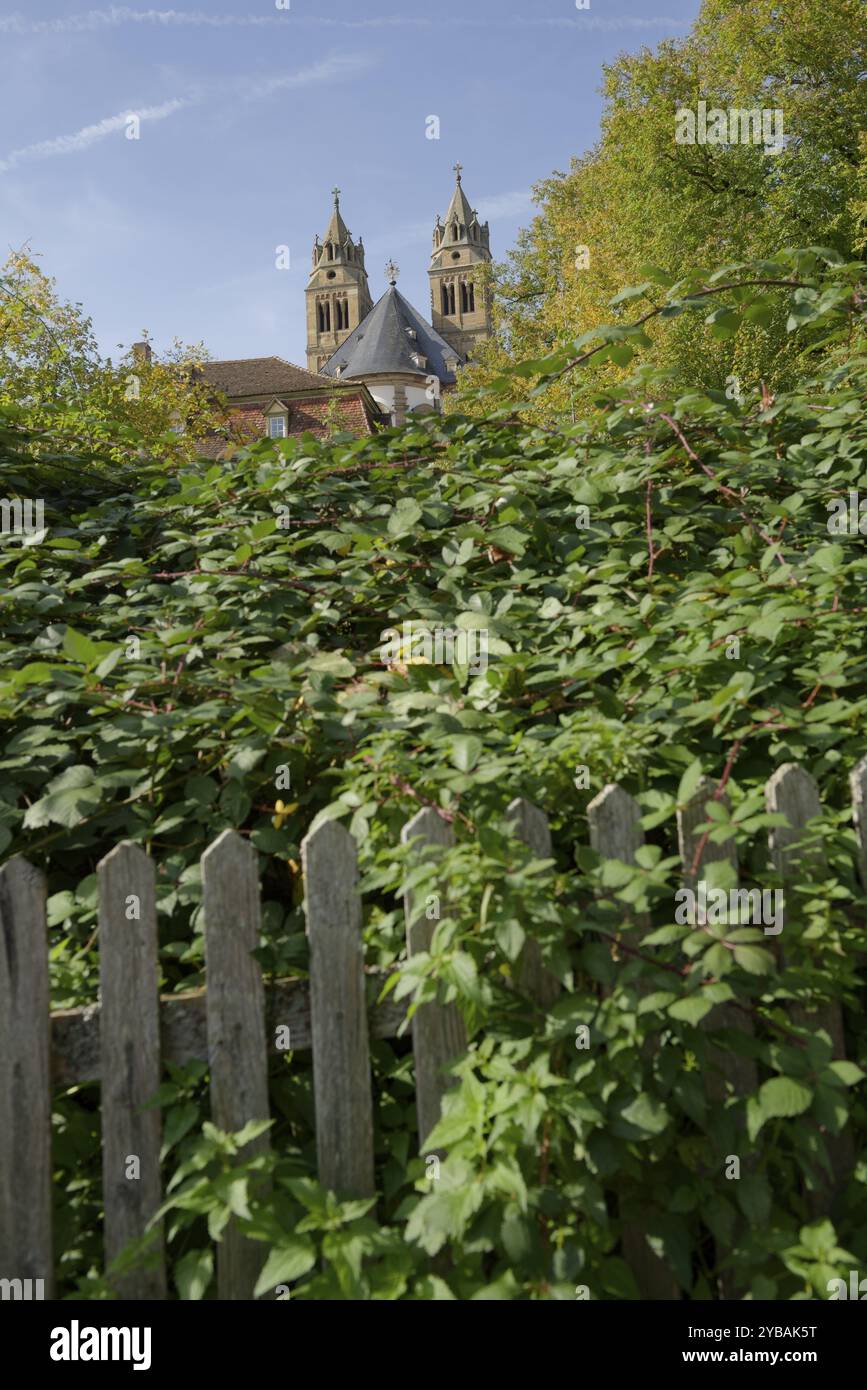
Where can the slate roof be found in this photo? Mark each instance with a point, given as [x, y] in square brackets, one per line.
[381, 344]
[260, 376]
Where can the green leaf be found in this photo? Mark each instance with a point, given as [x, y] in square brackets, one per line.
[193, 1273]
[646, 1112]
[508, 539]
[466, 750]
[634, 292]
[72, 797]
[404, 517]
[510, 937]
[294, 1257]
[754, 960]
[234, 802]
[202, 789]
[691, 1010]
[783, 1096]
[81, 648]
[689, 782]
[179, 1121]
[847, 1072]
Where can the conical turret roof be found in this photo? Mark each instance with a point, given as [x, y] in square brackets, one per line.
[390, 339]
[459, 207]
[337, 230]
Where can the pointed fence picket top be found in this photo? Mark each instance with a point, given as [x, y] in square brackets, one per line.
[237, 1051]
[727, 1069]
[130, 1064]
[25, 1082]
[793, 793]
[531, 827]
[614, 818]
[615, 824]
[338, 1012]
[438, 1033]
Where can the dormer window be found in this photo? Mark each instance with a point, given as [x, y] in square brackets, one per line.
[419, 360]
[411, 333]
[277, 420]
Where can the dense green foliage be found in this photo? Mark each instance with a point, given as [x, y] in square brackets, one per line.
[638, 198]
[610, 561]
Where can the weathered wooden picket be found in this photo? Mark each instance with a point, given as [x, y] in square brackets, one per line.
[124, 1040]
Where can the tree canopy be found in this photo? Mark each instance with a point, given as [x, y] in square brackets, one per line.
[639, 200]
[53, 377]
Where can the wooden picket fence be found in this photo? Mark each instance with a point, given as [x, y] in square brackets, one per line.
[124, 1040]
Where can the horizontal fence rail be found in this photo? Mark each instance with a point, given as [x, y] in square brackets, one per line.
[125, 1040]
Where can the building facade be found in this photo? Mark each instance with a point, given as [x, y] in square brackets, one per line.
[459, 296]
[405, 362]
[368, 365]
[338, 297]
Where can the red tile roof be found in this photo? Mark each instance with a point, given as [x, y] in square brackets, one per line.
[261, 376]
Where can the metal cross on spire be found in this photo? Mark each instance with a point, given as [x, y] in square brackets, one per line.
[391, 273]
[457, 168]
[336, 193]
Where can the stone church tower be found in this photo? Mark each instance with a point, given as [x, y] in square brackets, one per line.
[337, 293]
[460, 307]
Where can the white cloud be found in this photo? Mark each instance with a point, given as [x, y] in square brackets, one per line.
[116, 15]
[92, 21]
[341, 65]
[596, 24]
[246, 88]
[90, 134]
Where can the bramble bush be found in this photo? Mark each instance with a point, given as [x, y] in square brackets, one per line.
[168, 646]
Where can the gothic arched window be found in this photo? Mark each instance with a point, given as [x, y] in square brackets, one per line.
[445, 293]
[471, 295]
[451, 298]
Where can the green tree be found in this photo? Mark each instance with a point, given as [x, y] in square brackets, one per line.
[640, 200]
[54, 378]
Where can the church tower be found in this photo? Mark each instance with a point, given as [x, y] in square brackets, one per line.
[337, 294]
[460, 305]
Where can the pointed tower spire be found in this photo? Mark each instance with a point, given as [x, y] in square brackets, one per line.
[460, 305]
[337, 231]
[459, 212]
[338, 297]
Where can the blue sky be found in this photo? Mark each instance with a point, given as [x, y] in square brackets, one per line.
[250, 113]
